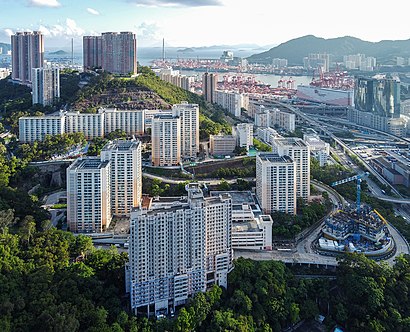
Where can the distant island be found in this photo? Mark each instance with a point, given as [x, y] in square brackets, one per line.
[59, 52]
[186, 50]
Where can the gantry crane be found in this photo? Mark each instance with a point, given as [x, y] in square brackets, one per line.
[358, 179]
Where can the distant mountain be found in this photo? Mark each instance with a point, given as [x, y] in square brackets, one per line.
[5, 47]
[294, 50]
[186, 50]
[59, 52]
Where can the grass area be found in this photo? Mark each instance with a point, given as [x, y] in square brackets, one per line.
[59, 206]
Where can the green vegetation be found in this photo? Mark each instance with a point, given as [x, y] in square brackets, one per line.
[51, 146]
[155, 187]
[59, 206]
[239, 168]
[260, 146]
[344, 134]
[287, 226]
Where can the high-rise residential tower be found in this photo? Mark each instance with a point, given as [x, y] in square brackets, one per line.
[27, 53]
[166, 140]
[45, 85]
[209, 85]
[189, 117]
[92, 52]
[88, 195]
[179, 248]
[126, 175]
[276, 183]
[299, 152]
[112, 51]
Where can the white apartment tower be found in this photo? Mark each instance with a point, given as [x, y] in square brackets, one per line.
[45, 85]
[189, 117]
[276, 183]
[166, 140]
[88, 195]
[244, 134]
[299, 152]
[177, 249]
[126, 175]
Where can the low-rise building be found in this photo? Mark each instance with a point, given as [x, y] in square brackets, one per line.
[222, 145]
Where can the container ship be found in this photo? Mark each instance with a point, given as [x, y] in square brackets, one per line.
[335, 89]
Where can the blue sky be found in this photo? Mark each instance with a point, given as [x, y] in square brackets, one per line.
[203, 22]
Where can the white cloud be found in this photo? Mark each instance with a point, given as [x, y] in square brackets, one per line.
[149, 33]
[67, 29]
[8, 32]
[45, 3]
[93, 11]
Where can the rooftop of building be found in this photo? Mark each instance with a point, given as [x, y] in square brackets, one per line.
[274, 158]
[290, 141]
[121, 145]
[238, 197]
[90, 163]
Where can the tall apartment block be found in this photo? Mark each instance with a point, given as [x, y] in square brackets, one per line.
[189, 117]
[244, 134]
[166, 140]
[179, 248]
[45, 85]
[92, 52]
[27, 53]
[112, 51]
[126, 175]
[209, 85]
[232, 101]
[276, 183]
[88, 195]
[298, 151]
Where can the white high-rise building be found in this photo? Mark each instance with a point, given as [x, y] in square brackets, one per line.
[275, 118]
[129, 121]
[166, 140]
[88, 195]
[276, 183]
[299, 152]
[179, 248]
[244, 134]
[45, 85]
[126, 175]
[189, 117]
[232, 101]
[319, 149]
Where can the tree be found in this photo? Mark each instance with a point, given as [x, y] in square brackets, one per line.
[6, 219]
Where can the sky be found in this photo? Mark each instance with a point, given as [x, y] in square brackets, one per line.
[193, 23]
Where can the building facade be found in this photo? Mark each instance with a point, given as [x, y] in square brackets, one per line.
[91, 125]
[209, 85]
[179, 248]
[232, 101]
[166, 140]
[244, 134]
[126, 175]
[89, 195]
[299, 152]
[92, 52]
[276, 183]
[222, 145]
[36, 128]
[114, 52]
[27, 53]
[45, 85]
[189, 117]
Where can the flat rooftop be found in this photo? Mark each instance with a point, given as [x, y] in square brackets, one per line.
[89, 164]
[274, 158]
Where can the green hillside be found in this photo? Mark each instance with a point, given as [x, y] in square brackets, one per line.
[294, 50]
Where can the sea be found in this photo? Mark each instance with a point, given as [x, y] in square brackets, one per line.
[147, 54]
